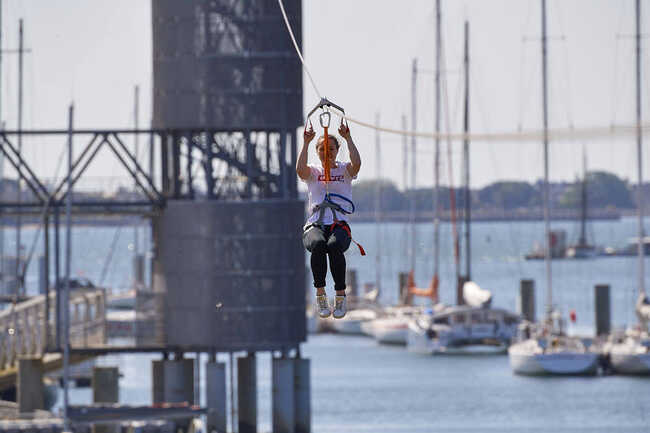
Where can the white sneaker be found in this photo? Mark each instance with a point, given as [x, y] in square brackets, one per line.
[339, 307]
[323, 306]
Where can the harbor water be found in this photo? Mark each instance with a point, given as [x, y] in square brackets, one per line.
[358, 385]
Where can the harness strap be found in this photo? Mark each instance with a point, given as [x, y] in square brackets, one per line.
[347, 230]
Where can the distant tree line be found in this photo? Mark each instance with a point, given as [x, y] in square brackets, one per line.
[603, 190]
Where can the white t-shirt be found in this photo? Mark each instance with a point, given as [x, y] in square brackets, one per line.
[340, 183]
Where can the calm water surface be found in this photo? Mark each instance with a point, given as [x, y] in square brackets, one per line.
[359, 386]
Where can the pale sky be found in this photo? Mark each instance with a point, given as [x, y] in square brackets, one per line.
[360, 54]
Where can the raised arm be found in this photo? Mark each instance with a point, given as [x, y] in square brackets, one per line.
[355, 158]
[302, 169]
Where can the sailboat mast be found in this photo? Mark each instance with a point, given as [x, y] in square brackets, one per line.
[545, 193]
[639, 149]
[405, 185]
[414, 117]
[583, 202]
[436, 200]
[378, 206]
[466, 157]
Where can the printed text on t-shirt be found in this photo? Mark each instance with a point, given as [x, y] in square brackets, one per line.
[339, 178]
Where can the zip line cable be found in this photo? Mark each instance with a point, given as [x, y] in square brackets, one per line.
[604, 132]
[295, 45]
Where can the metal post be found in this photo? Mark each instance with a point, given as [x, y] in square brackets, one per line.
[57, 276]
[136, 108]
[20, 286]
[46, 247]
[66, 296]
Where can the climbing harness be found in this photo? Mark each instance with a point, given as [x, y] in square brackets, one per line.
[334, 207]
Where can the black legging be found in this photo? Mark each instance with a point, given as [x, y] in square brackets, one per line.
[322, 241]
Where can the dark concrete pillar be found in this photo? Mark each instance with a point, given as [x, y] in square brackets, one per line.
[29, 386]
[603, 309]
[526, 300]
[302, 395]
[216, 396]
[247, 394]
[283, 403]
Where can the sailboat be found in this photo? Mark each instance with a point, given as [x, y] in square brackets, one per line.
[545, 348]
[473, 326]
[630, 353]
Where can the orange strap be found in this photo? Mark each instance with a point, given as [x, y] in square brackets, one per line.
[347, 230]
[327, 156]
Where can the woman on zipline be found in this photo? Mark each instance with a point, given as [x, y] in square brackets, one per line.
[325, 234]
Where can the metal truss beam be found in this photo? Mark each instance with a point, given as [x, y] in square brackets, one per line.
[190, 163]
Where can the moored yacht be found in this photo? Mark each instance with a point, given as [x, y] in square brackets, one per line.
[463, 329]
[546, 350]
[631, 354]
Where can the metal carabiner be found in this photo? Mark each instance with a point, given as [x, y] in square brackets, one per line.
[325, 118]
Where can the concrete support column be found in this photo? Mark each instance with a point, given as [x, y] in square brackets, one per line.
[30, 384]
[105, 385]
[603, 309]
[178, 384]
[173, 381]
[302, 394]
[283, 395]
[247, 394]
[138, 269]
[402, 283]
[157, 381]
[526, 300]
[216, 397]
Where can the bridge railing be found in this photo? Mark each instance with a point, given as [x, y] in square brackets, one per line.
[23, 330]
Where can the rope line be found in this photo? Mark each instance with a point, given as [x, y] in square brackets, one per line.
[533, 135]
[295, 45]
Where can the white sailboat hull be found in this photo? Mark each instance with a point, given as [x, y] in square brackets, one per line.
[347, 327]
[419, 341]
[527, 362]
[390, 330]
[631, 363]
[629, 357]
[352, 323]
